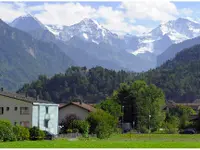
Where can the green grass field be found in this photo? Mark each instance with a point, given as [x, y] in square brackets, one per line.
[117, 141]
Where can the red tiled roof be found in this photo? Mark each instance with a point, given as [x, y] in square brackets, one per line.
[88, 107]
[61, 105]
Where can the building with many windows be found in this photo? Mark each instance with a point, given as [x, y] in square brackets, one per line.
[29, 112]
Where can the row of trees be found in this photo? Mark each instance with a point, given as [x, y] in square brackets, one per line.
[143, 105]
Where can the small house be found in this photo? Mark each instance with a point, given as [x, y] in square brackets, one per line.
[81, 110]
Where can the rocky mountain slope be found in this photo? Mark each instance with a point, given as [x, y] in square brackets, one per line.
[23, 57]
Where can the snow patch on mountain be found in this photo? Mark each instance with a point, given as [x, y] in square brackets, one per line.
[95, 41]
[177, 31]
[87, 29]
[55, 29]
[85, 36]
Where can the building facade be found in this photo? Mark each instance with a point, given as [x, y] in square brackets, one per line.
[29, 112]
[81, 110]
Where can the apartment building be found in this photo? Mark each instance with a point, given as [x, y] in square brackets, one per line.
[29, 112]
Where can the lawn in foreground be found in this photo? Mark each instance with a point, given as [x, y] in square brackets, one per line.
[118, 141]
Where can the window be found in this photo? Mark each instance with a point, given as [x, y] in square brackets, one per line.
[46, 123]
[15, 108]
[7, 108]
[47, 110]
[15, 123]
[24, 110]
[1, 111]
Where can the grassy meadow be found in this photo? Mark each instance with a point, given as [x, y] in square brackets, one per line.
[117, 141]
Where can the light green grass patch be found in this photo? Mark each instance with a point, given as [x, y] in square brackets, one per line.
[116, 141]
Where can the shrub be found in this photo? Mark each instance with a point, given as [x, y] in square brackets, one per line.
[17, 132]
[103, 130]
[144, 130]
[69, 131]
[171, 125]
[67, 122]
[21, 133]
[102, 123]
[170, 128]
[82, 126]
[75, 130]
[6, 131]
[41, 135]
[36, 133]
[25, 135]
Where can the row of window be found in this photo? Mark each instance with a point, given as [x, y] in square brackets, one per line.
[23, 110]
[23, 123]
[26, 123]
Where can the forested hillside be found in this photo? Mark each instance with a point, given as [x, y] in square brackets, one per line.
[90, 85]
[178, 78]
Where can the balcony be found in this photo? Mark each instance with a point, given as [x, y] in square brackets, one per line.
[47, 117]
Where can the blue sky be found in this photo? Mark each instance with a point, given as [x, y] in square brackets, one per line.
[133, 17]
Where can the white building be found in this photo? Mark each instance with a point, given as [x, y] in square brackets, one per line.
[29, 112]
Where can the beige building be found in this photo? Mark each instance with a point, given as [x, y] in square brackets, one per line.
[29, 112]
[81, 110]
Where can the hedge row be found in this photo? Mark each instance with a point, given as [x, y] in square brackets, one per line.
[8, 132]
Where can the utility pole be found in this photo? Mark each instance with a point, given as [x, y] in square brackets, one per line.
[122, 116]
[149, 122]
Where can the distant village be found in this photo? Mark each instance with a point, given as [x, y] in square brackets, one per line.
[47, 116]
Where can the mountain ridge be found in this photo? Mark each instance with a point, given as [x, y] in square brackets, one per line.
[23, 57]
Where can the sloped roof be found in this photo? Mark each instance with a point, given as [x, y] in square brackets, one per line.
[87, 107]
[23, 97]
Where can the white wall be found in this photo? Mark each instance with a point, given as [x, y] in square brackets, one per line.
[39, 114]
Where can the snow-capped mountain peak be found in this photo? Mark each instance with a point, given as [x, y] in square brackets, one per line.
[27, 23]
[87, 29]
[160, 38]
[183, 27]
[90, 22]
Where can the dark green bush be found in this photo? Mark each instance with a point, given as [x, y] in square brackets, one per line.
[81, 125]
[69, 131]
[36, 133]
[143, 129]
[6, 131]
[102, 123]
[75, 130]
[103, 130]
[67, 121]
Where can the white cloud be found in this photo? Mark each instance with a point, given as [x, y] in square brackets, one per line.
[8, 12]
[120, 20]
[157, 10]
[71, 13]
[65, 14]
[186, 12]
